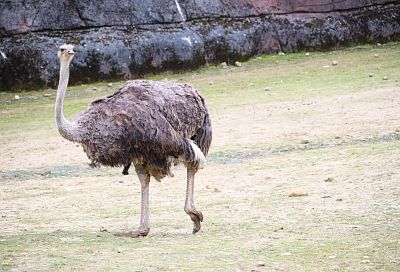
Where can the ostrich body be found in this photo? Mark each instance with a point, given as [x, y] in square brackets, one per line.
[150, 124]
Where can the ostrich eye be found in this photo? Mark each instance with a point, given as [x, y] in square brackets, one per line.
[62, 49]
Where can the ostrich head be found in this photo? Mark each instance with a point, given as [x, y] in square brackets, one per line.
[66, 53]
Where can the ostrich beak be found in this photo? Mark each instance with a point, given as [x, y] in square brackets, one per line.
[70, 52]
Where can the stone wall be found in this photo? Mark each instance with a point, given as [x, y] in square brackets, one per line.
[128, 38]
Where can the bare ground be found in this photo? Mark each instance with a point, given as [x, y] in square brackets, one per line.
[341, 150]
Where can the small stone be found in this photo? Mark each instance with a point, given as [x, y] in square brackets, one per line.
[337, 137]
[365, 257]
[95, 89]
[339, 199]
[385, 78]
[305, 142]
[307, 54]
[335, 62]
[109, 84]
[238, 64]
[47, 95]
[365, 261]
[326, 196]
[102, 229]
[216, 190]
[376, 55]
[370, 75]
[329, 179]
[332, 257]
[211, 83]
[325, 66]
[16, 97]
[298, 194]
[281, 54]
[278, 229]
[259, 264]
[45, 173]
[378, 44]
[224, 65]
[267, 89]
[286, 253]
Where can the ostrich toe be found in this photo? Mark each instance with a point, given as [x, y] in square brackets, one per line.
[133, 234]
[196, 217]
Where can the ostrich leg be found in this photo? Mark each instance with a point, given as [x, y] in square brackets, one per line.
[126, 168]
[144, 227]
[195, 215]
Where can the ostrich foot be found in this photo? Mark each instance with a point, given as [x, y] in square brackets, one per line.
[133, 234]
[196, 217]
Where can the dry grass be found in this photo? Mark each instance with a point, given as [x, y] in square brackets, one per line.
[330, 132]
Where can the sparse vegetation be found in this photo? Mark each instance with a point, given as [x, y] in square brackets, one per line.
[316, 122]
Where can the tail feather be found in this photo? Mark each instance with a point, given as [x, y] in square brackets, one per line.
[203, 136]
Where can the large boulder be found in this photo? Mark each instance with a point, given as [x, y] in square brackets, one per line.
[128, 38]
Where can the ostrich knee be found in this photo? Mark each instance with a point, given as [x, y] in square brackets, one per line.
[195, 215]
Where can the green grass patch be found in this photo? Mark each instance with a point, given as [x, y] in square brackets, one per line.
[289, 77]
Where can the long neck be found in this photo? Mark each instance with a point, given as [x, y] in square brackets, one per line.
[65, 127]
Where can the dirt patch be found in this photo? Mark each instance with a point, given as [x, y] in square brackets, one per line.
[313, 119]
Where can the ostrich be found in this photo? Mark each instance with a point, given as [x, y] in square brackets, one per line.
[147, 123]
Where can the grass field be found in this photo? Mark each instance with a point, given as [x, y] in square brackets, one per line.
[328, 132]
